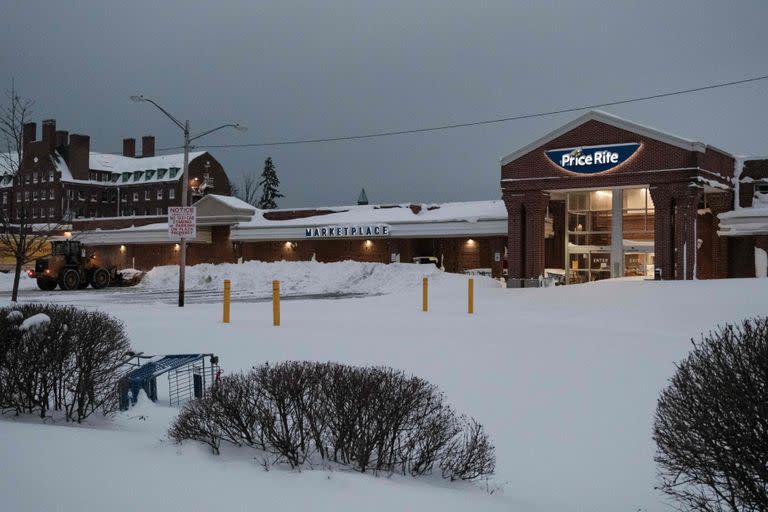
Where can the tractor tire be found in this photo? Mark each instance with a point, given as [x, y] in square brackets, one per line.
[100, 278]
[46, 284]
[70, 279]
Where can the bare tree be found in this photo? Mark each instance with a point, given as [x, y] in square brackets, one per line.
[711, 427]
[20, 238]
[248, 189]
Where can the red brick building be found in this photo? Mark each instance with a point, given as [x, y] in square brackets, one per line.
[598, 198]
[624, 200]
[61, 179]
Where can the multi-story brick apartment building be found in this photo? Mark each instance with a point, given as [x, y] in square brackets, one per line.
[61, 179]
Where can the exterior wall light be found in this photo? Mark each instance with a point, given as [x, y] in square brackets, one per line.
[290, 245]
[176, 247]
[471, 243]
[122, 248]
[368, 244]
[67, 234]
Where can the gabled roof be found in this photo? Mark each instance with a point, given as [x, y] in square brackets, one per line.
[612, 120]
[215, 209]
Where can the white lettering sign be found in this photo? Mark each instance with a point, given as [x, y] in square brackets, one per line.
[364, 231]
[596, 158]
[182, 221]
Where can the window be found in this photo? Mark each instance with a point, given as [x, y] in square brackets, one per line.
[26, 195]
[146, 195]
[171, 193]
[159, 211]
[50, 212]
[81, 195]
[160, 193]
[42, 178]
[34, 195]
[50, 176]
[135, 199]
[94, 196]
[34, 177]
[18, 197]
[26, 178]
[52, 194]
[5, 197]
[34, 213]
[42, 213]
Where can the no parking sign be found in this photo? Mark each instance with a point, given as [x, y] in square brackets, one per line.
[182, 221]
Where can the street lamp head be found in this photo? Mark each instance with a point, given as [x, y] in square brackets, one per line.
[240, 127]
[137, 99]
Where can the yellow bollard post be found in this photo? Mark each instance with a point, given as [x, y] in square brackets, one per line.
[425, 294]
[276, 303]
[226, 300]
[471, 296]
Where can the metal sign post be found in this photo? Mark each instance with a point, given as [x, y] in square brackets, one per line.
[182, 222]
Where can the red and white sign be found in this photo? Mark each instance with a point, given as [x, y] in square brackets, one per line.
[182, 221]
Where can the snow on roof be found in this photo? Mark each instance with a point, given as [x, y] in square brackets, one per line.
[120, 163]
[469, 211]
[231, 201]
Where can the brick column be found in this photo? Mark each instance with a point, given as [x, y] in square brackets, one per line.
[535, 204]
[719, 203]
[662, 227]
[686, 238]
[514, 204]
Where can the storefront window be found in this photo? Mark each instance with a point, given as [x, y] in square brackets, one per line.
[590, 236]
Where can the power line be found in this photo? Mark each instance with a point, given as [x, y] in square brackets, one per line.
[478, 123]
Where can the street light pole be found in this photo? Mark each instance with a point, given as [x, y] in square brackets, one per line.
[185, 178]
[184, 187]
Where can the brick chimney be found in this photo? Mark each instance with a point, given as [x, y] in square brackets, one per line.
[79, 149]
[49, 134]
[129, 147]
[28, 133]
[147, 146]
[62, 138]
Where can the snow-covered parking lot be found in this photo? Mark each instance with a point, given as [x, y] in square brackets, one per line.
[565, 379]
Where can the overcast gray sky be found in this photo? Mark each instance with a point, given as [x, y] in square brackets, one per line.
[307, 69]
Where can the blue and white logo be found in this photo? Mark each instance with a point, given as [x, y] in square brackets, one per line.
[592, 159]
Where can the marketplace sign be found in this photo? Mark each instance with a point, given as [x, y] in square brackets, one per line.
[592, 159]
[369, 230]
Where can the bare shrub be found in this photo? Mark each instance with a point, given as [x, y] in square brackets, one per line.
[369, 419]
[70, 362]
[711, 425]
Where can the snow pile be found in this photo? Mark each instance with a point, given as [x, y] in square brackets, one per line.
[15, 316]
[303, 277]
[35, 322]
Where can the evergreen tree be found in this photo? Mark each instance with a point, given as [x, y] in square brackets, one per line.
[269, 183]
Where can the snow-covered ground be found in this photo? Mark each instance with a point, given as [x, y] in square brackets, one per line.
[565, 379]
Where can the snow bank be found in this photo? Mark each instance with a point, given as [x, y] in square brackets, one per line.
[303, 277]
[25, 283]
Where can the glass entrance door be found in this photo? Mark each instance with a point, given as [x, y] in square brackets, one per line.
[609, 234]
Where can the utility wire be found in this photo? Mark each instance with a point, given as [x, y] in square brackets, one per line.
[477, 123]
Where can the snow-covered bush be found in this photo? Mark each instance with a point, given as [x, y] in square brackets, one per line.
[370, 419]
[59, 358]
[711, 427]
